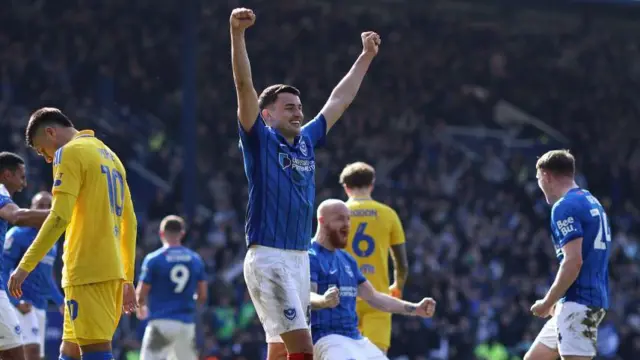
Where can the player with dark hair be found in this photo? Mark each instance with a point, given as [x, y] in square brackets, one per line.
[376, 233]
[38, 288]
[579, 297]
[92, 202]
[279, 163]
[336, 275]
[171, 283]
[12, 180]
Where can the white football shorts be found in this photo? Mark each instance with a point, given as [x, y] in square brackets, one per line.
[33, 326]
[338, 347]
[279, 284]
[573, 330]
[169, 339]
[9, 325]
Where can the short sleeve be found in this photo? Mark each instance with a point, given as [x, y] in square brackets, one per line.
[316, 130]
[257, 130]
[566, 222]
[5, 198]
[314, 265]
[397, 232]
[67, 171]
[146, 273]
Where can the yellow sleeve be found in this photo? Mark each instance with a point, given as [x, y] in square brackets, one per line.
[128, 237]
[51, 230]
[397, 232]
[67, 171]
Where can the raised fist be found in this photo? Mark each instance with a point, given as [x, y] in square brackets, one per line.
[426, 308]
[242, 18]
[370, 42]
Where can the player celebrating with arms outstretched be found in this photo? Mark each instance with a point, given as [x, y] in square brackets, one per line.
[377, 231]
[279, 164]
[336, 275]
[579, 296]
[92, 203]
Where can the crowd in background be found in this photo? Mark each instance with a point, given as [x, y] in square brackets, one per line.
[476, 224]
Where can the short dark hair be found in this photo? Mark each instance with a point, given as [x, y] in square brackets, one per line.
[557, 162]
[270, 94]
[10, 161]
[172, 224]
[45, 116]
[357, 175]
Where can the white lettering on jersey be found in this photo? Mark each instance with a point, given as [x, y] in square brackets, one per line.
[566, 226]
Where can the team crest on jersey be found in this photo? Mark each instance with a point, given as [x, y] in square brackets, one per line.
[285, 160]
[303, 147]
[347, 269]
[290, 313]
[17, 330]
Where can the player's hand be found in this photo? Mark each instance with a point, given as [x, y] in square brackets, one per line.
[129, 302]
[426, 308]
[24, 307]
[331, 298]
[142, 312]
[542, 309]
[15, 282]
[370, 42]
[242, 18]
[395, 291]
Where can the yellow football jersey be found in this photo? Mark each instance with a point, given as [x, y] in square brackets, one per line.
[93, 251]
[375, 227]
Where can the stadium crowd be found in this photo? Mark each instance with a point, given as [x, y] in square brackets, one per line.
[476, 224]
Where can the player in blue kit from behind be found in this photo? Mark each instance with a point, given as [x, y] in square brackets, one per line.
[171, 283]
[279, 163]
[38, 288]
[12, 180]
[579, 297]
[335, 274]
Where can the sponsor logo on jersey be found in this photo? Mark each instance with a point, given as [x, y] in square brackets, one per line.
[566, 226]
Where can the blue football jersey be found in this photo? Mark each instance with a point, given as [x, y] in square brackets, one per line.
[5, 199]
[580, 215]
[282, 186]
[335, 269]
[39, 287]
[174, 274]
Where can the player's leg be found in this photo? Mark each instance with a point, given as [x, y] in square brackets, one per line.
[184, 347]
[545, 347]
[334, 347]
[10, 332]
[369, 350]
[30, 334]
[279, 288]
[376, 326]
[578, 331]
[158, 337]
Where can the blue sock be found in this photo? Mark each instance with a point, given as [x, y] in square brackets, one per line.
[98, 355]
[63, 357]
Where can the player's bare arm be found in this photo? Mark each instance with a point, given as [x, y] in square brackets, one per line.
[566, 276]
[202, 292]
[329, 300]
[386, 303]
[142, 294]
[23, 217]
[400, 268]
[343, 94]
[248, 110]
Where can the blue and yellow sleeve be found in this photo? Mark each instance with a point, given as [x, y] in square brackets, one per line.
[67, 171]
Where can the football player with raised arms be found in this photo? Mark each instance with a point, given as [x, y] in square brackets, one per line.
[279, 162]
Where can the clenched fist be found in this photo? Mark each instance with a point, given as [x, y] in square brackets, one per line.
[426, 308]
[370, 42]
[331, 298]
[242, 18]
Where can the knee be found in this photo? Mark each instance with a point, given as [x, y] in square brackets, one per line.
[70, 350]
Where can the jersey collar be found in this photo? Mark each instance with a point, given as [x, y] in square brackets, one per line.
[83, 133]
